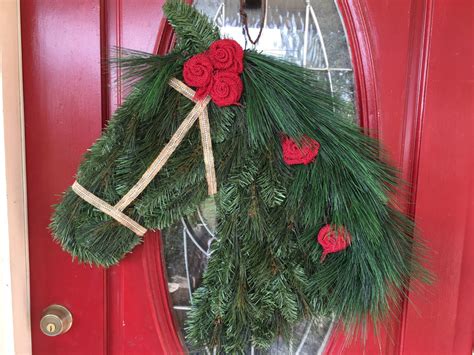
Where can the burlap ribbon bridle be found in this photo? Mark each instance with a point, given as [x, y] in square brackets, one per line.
[199, 111]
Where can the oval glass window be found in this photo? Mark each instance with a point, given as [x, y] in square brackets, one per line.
[311, 34]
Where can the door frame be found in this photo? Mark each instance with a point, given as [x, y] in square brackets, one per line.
[15, 327]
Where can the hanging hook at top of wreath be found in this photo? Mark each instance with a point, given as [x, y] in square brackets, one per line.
[252, 4]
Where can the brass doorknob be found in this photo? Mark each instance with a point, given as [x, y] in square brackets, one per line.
[55, 320]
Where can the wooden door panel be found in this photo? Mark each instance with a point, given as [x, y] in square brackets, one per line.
[61, 47]
[442, 321]
[418, 102]
[68, 97]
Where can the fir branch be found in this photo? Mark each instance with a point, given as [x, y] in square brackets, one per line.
[194, 31]
[264, 275]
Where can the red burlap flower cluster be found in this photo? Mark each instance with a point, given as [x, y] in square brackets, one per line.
[303, 153]
[216, 72]
[332, 240]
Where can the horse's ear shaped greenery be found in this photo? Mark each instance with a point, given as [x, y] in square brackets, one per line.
[265, 272]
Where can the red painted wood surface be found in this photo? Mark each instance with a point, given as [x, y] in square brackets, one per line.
[414, 77]
[444, 192]
[68, 98]
[61, 48]
[414, 80]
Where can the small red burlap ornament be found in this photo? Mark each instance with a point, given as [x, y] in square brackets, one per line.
[332, 240]
[216, 72]
[227, 54]
[226, 89]
[198, 70]
[304, 153]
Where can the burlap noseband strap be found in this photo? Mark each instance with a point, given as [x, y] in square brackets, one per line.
[199, 110]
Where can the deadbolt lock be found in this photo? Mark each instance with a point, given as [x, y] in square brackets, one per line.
[55, 320]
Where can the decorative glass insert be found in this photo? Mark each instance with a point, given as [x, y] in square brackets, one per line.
[311, 34]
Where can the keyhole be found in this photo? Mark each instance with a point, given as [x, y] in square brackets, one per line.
[51, 328]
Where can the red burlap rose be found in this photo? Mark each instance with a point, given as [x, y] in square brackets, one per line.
[333, 241]
[202, 92]
[304, 153]
[216, 72]
[227, 54]
[226, 89]
[197, 71]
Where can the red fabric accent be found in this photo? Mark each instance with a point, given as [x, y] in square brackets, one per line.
[216, 72]
[227, 54]
[333, 241]
[303, 153]
[226, 89]
[197, 71]
[202, 92]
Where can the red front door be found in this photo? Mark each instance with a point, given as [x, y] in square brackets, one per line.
[413, 75]
[68, 97]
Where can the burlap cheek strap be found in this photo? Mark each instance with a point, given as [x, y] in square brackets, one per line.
[199, 110]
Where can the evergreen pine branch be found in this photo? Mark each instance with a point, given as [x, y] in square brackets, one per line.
[194, 31]
[264, 275]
